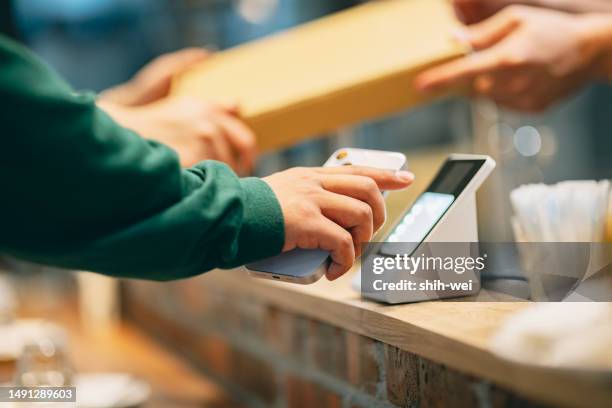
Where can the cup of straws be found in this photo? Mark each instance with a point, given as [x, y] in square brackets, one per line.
[561, 232]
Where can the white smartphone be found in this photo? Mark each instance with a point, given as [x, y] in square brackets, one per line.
[306, 266]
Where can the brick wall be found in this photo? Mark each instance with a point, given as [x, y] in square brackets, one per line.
[269, 357]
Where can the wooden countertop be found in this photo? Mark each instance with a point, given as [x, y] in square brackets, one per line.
[126, 349]
[454, 333]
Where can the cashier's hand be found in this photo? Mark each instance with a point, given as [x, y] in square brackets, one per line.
[196, 130]
[153, 81]
[334, 209]
[526, 58]
[474, 11]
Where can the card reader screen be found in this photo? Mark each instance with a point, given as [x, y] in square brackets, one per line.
[455, 176]
[422, 216]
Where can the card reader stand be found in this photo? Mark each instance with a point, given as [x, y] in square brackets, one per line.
[459, 224]
[454, 235]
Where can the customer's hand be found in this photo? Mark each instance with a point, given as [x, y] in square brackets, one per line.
[526, 59]
[153, 81]
[334, 209]
[196, 130]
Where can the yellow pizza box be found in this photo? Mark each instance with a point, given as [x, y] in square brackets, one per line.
[351, 66]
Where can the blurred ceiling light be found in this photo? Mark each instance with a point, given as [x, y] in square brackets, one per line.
[256, 11]
[528, 141]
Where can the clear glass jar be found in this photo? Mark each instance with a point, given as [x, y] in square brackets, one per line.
[44, 362]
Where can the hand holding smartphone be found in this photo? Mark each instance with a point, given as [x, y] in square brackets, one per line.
[307, 266]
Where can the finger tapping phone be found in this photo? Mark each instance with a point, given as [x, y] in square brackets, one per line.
[305, 266]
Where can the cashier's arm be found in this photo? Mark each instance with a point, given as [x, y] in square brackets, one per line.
[528, 58]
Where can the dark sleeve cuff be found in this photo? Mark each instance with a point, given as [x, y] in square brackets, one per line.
[262, 234]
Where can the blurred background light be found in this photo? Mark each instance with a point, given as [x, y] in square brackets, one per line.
[528, 141]
[256, 11]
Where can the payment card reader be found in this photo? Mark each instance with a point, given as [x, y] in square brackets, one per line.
[432, 250]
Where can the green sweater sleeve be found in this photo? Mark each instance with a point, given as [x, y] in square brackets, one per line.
[79, 191]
